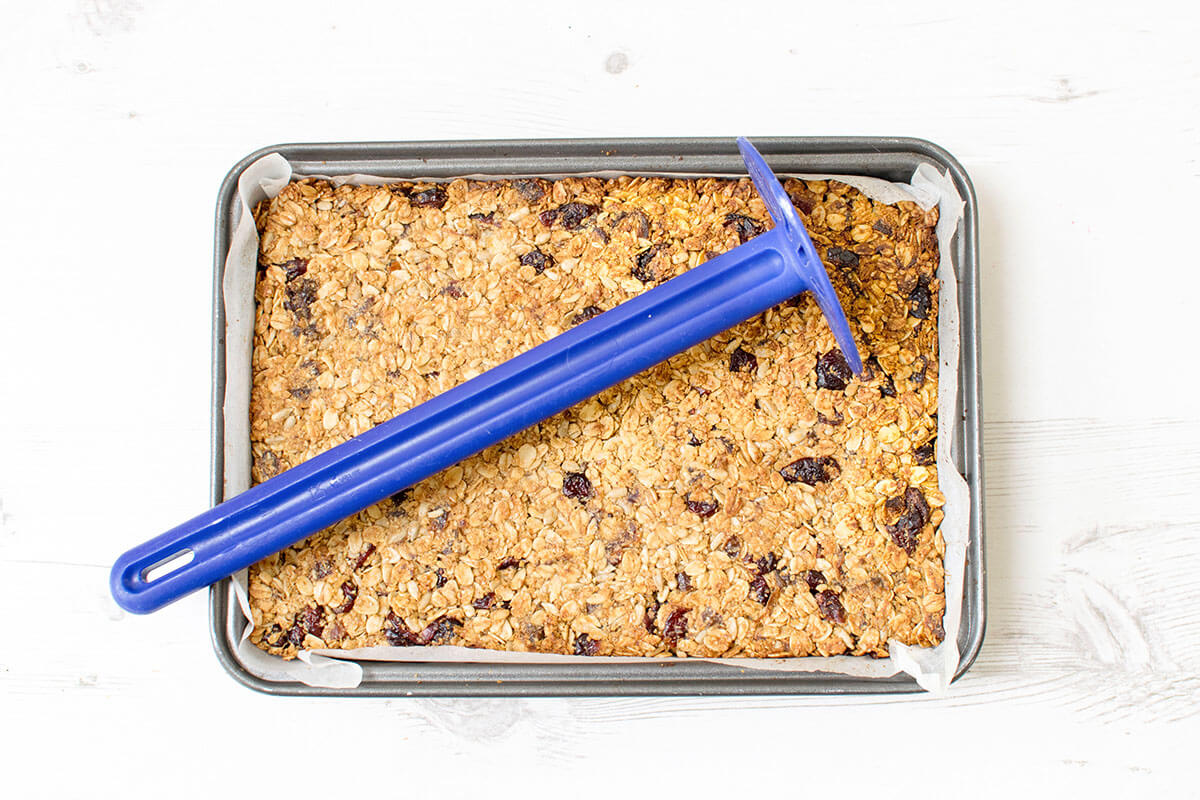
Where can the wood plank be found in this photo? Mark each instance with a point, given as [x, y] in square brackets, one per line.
[1079, 131]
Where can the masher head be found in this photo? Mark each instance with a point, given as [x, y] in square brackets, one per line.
[806, 261]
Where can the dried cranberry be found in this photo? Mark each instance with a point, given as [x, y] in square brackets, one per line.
[682, 581]
[882, 227]
[760, 590]
[813, 578]
[321, 569]
[918, 376]
[350, 593]
[747, 227]
[924, 455]
[397, 633]
[590, 312]
[830, 606]
[400, 496]
[295, 634]
[572, 215]
[531, 191]
[577, 486]
[294, 268]
[692, 440]
[586, 645]
[641, 264]
[439, 630]
[702, 508]
[888, 387]
[300, 298]
[508, 563]
[676, 627]
[547, 217]
[810, 470]
[300, 393]
[832, 371]
[727, 444]
[806, 202]
[488, 218]
[920, 301]
[538, 260]
[732, 546]
[650, 618]
[767, 563]
[742, 361]
[282, 641]
[439, 579]
[485, 602]
[454, 291]
[836, 419]
[367, 552]
[841, 257]
[434, 197]
[907, 529]
[643, 223]
[312, 619]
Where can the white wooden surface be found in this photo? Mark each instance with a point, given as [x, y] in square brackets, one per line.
[1080, 129]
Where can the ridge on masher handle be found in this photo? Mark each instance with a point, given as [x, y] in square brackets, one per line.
[808, 262]
[537, 384]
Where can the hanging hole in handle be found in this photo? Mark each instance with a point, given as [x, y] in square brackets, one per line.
[167, 565]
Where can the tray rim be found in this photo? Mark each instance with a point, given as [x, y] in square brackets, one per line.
[654, 678]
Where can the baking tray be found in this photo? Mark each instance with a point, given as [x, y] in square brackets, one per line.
[892, 159]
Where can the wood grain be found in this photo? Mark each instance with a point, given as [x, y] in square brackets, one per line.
[1080, 133]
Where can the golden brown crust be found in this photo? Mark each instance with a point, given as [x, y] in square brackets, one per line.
[730, 502]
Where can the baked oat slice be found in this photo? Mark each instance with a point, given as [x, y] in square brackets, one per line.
[749, 497]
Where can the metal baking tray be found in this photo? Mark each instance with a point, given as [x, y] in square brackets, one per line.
[892, 159]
